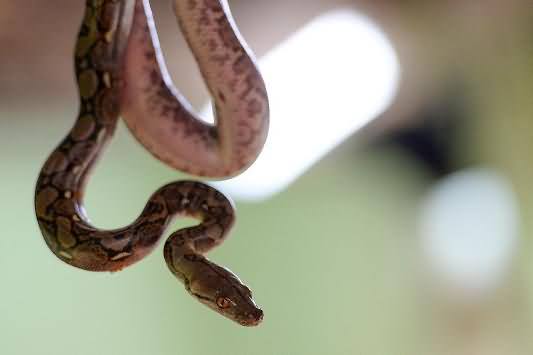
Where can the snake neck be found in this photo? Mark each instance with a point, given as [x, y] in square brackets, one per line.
[99, 54]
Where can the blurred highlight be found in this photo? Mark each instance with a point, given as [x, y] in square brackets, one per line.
[469, 230]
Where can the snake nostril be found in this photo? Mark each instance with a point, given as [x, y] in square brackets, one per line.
[257, 315]
[252, 319]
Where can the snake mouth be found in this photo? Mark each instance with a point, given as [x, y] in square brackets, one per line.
[252, 319]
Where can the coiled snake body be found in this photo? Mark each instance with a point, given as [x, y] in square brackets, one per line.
[163, 121]
[100, 57]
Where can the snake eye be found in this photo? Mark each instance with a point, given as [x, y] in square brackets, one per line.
[224, 302]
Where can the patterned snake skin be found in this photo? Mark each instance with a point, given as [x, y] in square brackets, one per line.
[99, 60]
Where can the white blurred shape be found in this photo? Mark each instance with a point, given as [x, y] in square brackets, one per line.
[324, 82]
[469, 229]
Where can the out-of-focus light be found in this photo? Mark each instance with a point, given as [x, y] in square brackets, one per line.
[326, 81]
[469, 230]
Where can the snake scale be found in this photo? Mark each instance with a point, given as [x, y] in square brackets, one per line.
[100, 58]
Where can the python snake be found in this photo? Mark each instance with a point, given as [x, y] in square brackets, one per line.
[100, 57]
[160, 117]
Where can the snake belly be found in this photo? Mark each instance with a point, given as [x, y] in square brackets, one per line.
[162, 119]
[99, 58]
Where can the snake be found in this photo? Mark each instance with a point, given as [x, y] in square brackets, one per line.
[161, 118]
[99, 59]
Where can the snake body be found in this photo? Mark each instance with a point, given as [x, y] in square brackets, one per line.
[161, 118]
[99, 59]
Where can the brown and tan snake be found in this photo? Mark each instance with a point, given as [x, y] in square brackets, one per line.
[100, 57]
[164, 122]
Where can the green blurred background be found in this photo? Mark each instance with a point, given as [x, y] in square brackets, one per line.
[334, 260]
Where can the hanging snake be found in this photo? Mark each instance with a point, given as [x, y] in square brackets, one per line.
[100, 58]
[164, 122]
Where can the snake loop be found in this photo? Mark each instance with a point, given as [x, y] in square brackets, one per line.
[99, 60]
[162, 119]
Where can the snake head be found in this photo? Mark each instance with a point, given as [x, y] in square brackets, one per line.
[221, 290]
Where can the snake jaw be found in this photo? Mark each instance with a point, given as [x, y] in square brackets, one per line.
[252, 319]
[246, 314]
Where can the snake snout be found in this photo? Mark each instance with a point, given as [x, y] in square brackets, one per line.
[253, 318]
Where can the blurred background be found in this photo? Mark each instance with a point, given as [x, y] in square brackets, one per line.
[390, 212]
